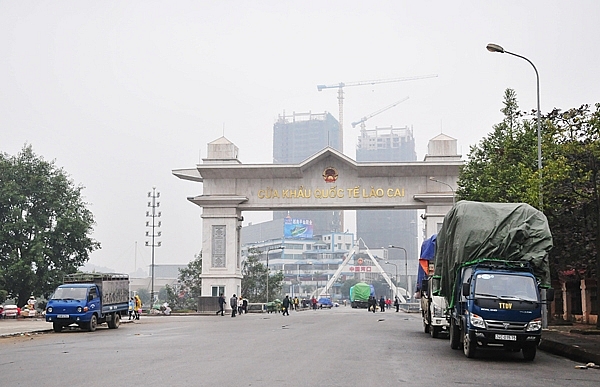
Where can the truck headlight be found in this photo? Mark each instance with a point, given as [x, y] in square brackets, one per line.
[437, 311]
[49, 310]
[477, 321]
[79, 309]
[534, 325]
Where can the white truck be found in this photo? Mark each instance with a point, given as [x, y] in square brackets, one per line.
[433, 307]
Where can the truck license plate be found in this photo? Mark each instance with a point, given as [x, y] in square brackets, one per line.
[506, 337]
[67, 316]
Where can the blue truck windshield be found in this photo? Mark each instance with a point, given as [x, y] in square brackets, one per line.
[64, 293]
[505, 286]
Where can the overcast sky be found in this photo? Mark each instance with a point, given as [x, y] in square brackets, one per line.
[120, 93]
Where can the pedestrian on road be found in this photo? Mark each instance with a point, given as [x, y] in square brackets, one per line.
[138, 307]
[221, 304]
[240, 307]
[245, 305]
[313, 301]
[382, 304]
[372, 303]
[286, 306]
[296, 302]
[233, 304]
[131, 308]
[397, 303]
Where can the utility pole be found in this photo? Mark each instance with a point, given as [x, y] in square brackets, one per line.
[153, 224]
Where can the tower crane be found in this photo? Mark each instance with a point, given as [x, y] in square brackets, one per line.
[362, 120]
[340, 86]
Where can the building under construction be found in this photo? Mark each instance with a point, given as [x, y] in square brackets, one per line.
[296, 137]
[381, 228]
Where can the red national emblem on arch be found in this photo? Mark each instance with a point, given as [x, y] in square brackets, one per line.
[330, 174]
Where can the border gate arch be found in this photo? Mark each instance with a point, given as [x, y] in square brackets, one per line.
[327, 180]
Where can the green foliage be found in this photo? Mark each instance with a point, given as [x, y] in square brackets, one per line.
[503, 166]
[144, 295]
[345, 288]
[44, 226]
[190, 280]
[571, 188]
[254, 280]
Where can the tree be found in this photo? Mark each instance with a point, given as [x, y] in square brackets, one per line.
[44, 225]
[503, 166]
[345, 288]
[572, 182]
[191, 282]
[254, 280]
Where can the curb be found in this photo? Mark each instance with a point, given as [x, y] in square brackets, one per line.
[25, 333]
[572, 352]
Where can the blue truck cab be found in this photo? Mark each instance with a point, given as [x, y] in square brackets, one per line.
[496, 304]
[89, 299]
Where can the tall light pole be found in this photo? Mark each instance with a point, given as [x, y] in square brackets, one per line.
[153, 214]
[449, 186]
[497, 48]
[405, 263]
[396, 277]
[268, 251]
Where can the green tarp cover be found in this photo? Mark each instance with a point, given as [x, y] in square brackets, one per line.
[503, 231]
[360, 292]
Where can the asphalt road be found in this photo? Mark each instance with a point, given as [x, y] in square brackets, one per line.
[338, 347]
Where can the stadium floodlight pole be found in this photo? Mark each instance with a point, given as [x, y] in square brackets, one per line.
[497, 48]
[268, 251]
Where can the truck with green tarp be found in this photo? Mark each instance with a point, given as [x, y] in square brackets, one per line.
[359, 295]
[491, 260]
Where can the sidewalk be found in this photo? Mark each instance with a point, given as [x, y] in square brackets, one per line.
[23, 326]
[577, 342]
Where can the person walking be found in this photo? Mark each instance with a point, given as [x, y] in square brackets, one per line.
[286, 306]
[382, 304]
[397, 303]
[233, 304]
[221, 305]
[296, 302]
[240, 302]
[131, 308]
[138, 307]
[245, 305]
[372, 303]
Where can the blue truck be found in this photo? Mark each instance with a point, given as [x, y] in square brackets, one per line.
[89, 299]
[491, 260]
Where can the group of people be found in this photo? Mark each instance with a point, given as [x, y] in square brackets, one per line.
[383, 304]
[238, 305]
[135, 307]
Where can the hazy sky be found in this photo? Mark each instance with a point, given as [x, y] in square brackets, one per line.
[120, 93]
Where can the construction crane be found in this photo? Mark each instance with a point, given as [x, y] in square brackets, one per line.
[362, 120]
[340, 86]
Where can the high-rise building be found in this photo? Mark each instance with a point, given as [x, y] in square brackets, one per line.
[381, 228]
[296, 137]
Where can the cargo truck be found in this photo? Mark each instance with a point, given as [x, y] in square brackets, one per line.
[89, 299]
[433, 306]
[491, 260]
[359, 295]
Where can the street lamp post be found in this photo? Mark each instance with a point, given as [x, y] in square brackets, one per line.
[405, 263]
[396, 277]
[268, 251]
[449, 186]
[497, 48]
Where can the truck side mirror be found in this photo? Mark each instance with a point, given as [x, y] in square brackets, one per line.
[549, 295]
[466, 289]
[424, 286]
